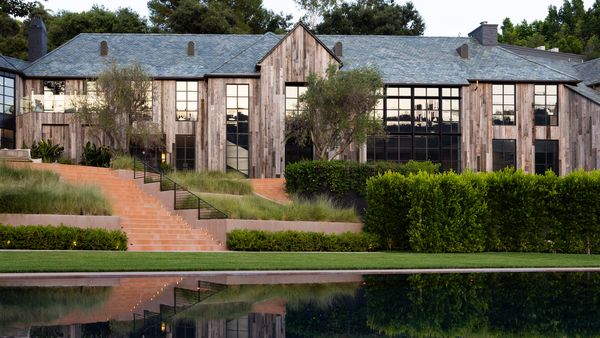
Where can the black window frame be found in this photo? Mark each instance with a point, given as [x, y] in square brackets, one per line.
[400, 144]
[293, 151]
[504, 148]
[187, 113]
[542, 116]
[502, 101]
[185, 144]
[237, 129]
[541, 151]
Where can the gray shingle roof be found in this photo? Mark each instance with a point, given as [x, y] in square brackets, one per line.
[590, 71]
[401, 59]
[586, 91]
[12, 64]
[161, 55]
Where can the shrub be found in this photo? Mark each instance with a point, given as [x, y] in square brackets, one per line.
[258, 240]
[338, 178]
[96, 156]
[500, 211]
[47, 237]
[47, 151]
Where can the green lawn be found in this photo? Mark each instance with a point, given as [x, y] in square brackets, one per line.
[71, 261]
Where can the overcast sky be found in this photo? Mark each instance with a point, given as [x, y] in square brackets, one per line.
[442, 17]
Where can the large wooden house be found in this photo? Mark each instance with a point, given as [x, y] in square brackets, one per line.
[221, 100]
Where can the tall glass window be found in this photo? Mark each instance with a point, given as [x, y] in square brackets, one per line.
[186, 97]
[237, 105]
[295, 152]
[503, 104]
[422, 123]
[185, 152]
[546, 156]
[7, 110]
[147, 109]
[546, 105]
[503, 154]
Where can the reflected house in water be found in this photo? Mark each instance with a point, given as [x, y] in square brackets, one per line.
[222, 101]
[324, 305]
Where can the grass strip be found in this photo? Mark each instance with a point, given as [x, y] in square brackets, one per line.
[104, 261]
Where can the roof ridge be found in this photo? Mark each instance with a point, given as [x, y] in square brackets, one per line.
[10, 63]
[537, 63]
[171, 34]
[262, 37]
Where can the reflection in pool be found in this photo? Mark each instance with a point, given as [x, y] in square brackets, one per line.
[345, 305]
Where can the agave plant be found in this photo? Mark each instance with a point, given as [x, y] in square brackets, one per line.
[47, 151]
[96, 156]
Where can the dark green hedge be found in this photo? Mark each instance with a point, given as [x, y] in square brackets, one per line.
[341, 177]
[258, 240]
[47, 237]
[500, 211]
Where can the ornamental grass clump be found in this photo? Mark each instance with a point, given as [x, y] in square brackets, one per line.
[29, 191]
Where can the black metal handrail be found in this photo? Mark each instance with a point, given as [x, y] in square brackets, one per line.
[182, 197]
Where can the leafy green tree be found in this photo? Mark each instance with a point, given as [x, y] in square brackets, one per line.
[66, 25]
[215, 16]
[336, 110]
[383, 17]
[18, 8]
[121, 107]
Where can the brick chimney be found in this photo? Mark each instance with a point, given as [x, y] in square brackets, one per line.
[486, 34]
[38, 39]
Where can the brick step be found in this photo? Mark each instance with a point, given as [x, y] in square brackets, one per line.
[178, 247]
[171, 242]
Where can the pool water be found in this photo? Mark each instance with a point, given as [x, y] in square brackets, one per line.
[323, 305]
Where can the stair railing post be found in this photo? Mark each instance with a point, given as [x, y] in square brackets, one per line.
[174, 195]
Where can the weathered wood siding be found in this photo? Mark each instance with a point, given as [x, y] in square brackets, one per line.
[584, 124]
[292, 61]
[575, 136]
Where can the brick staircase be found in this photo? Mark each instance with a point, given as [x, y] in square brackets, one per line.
[148, 224]
[270, 188]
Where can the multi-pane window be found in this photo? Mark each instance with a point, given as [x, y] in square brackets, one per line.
[295, 152]
[7, 94]
[546, 105]
[185, 152]
[546, 156]
[186, 98]
[422, 123]
[237, 107]
[503, 104]
[147, 109]
[503, 154]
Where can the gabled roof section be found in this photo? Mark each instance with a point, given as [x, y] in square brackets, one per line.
[161, 55]
[586, 92]
[590, 72]
[12, 64]
[300, 25]
[245, 61]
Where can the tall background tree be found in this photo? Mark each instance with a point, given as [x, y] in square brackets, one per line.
[18, 8]
[337, 111]
[571, 28]
[65, 25]
[384, 17]
[215, 16]
[315, 9]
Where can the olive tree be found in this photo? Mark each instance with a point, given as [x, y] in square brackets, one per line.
[337, 111]
[120, 108]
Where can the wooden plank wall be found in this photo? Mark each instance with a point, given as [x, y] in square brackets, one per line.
[296, 57]
[478, 131]
[584, 141]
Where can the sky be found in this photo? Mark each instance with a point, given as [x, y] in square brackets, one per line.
[442, 17]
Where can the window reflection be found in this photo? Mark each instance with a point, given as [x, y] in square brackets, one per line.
[237, 110]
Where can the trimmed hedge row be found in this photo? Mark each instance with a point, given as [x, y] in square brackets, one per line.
[338, 178]
[47, 237]
[258, 240]
[500, 211]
